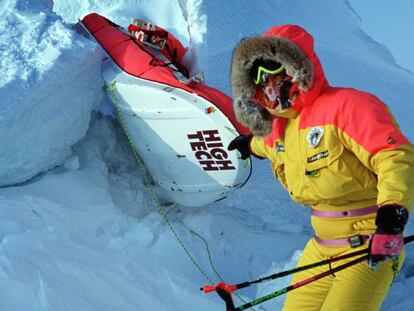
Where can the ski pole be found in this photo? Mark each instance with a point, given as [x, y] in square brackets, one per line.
[209, 288]
[274, 276]
[300, 284]
[225, 290]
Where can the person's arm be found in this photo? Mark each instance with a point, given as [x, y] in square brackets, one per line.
[367, 128]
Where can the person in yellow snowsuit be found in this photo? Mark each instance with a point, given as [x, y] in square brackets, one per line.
[337, 150]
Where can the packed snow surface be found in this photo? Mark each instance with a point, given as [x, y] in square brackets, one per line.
[78, 227]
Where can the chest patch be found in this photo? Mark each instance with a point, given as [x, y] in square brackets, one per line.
[280, 148]
[318, 156]
[314, 136]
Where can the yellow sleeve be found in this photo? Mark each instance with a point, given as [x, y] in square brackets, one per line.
[371, 133]
[394, 169]
[395, 172]
[258, 147]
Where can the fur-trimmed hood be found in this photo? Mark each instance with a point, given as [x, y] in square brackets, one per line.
[290, 45]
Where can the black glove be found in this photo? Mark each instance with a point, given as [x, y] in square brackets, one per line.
[241, 143]
[388, 241]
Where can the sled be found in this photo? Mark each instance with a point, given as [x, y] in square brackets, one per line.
[179, 126]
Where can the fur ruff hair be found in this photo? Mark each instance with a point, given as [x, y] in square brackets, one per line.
[279, 49]
[255, 118]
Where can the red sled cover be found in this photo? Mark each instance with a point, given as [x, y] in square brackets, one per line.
[137, 59]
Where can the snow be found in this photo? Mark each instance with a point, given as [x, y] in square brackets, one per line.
[49, 84]
[78, 227]
[376, 23]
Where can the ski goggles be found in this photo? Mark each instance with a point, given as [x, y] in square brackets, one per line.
[263, 74]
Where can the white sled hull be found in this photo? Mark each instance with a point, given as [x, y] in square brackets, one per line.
[180, 136]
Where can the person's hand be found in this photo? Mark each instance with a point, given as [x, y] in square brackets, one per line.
[242, 144]
[388, 240]
[384, 247]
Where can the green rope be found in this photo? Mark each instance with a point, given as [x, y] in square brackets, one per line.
[232, 130]
[154, 199]
[212, 265]
[208, 253]
[173, 208]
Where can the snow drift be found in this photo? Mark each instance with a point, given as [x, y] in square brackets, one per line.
[50, 83]
[85, 235]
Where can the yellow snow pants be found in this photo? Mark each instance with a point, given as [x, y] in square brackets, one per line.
[357, 288]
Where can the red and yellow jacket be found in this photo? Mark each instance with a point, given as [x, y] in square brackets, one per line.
[336, 149]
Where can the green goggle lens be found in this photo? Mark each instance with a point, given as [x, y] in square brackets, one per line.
[262, 70]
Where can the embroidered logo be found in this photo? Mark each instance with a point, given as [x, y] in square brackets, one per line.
[318, 156]
[280, 148]
[314, 136]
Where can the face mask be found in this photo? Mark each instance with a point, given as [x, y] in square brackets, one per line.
[276, 89]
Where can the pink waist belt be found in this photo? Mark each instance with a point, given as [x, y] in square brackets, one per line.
[350, 213]
[353, 241]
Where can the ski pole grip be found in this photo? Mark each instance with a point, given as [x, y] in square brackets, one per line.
[224, 286]
[208, 288]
